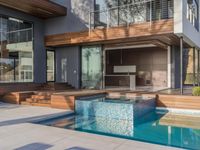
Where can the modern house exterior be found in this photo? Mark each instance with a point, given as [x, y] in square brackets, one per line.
[100, 43]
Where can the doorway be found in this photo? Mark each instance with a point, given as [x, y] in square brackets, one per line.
[50, 66]
[150, 64]
[91, 57]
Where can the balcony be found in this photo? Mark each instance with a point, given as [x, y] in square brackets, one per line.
[144, 22]
[132, 13]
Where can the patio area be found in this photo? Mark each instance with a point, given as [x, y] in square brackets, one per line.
[18, 132]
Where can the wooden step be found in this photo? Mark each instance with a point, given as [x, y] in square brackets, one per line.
[41, 104]
[31, 100]
[25, 103]
[44, 101]
[37, 104]
[43, 93]
[41, 96]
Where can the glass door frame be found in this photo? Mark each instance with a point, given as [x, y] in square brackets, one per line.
[51, 50]
[102, 64]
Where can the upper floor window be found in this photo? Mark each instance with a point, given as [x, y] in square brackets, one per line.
[16, 50]
[170, 9]
[192, 12]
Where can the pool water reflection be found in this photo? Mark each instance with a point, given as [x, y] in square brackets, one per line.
[132, 119]
[149, 129]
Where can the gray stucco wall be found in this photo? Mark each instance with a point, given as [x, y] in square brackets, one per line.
[38, 45]
[77, 18]
[71, 71]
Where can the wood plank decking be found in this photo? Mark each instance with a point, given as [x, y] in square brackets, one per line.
[66, 99]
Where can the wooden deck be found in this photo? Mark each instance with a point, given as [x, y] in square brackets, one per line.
[178, 101]
[66, 99]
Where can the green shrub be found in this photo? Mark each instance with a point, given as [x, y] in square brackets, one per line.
[196, 91]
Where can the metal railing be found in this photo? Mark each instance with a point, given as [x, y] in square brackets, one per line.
[23, 35]
[138, 12]
[17, 36]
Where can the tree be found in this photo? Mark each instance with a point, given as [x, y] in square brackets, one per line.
[122, 11]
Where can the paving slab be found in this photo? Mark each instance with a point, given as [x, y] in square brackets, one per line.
[17, 132]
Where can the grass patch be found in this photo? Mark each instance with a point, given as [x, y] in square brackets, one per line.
[196, 91]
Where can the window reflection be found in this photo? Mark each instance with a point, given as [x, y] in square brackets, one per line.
[91, 67]
[193, 13]
[16, 50]
[110, 13]
[50, 65]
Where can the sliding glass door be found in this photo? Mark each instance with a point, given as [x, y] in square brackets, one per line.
[50, 66]
[91, 67]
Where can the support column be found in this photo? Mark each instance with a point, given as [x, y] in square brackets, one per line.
[194, 66]
[181, 65]
[104, 67]
[198, 67]
[175, 67]
[169, 69]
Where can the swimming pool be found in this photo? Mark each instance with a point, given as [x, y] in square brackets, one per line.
[159, 127]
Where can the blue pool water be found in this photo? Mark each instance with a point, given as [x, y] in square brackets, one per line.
[154, 127]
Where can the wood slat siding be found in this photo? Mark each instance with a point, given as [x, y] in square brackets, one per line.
[178, 101]
[63, 102]
[40, 8]
[136, 31]
[16, 97]
[67, 101]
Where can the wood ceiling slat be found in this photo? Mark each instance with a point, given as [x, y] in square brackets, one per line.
[40, 8]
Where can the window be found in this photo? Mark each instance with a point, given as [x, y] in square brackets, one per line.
[192, 12]
[191, 66]
[170, 8]
[50, 66]
[91, 67]
[16, 50]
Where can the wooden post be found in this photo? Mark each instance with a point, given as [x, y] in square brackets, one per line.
[198, 67]
[194, 66]
[181, 65]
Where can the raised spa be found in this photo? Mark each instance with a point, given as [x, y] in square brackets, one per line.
[114, 108]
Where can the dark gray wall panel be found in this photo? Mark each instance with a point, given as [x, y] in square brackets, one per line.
[175, 72]
[72, 69]
[175, 58]
[76, 20]
[38, 45]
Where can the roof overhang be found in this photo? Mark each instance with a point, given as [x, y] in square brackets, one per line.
[39, 8]
[159, 33]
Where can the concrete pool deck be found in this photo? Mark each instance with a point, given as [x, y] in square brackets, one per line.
[17, 132]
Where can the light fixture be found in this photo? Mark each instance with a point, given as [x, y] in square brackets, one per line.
[14, 19]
